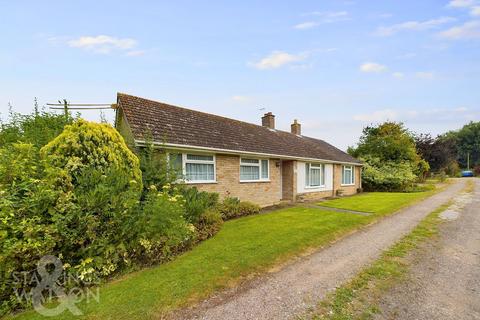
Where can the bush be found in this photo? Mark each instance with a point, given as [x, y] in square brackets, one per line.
[232, 208]
[89, 145]
[476, 170]
[197, 202]
[163, 229]
[387, 175]
[209, 224]
[27, 198]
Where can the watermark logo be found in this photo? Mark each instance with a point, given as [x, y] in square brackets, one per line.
[51, 291]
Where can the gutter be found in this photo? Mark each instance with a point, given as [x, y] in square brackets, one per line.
[174, 146]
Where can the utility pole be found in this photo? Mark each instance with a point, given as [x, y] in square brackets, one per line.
[468, 160]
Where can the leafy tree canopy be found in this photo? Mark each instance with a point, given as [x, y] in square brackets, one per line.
[389, 141]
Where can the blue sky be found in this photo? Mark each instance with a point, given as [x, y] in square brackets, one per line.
[336, 66]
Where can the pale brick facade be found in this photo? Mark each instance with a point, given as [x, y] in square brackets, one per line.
[263, 193]
[282, 185]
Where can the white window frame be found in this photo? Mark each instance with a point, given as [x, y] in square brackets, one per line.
[352, 170]
[259, 165]
[317, 166]
[184, 166]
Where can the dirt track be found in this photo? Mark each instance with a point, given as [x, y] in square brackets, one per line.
[444, 281]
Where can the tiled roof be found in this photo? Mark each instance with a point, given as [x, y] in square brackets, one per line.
[180, 126]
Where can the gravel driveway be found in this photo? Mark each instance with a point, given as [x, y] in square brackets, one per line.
[300, 285]
[444, 281]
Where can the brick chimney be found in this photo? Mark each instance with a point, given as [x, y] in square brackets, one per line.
[268, 120]
[296, 128]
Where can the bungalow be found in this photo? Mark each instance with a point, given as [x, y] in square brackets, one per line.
[257, 163]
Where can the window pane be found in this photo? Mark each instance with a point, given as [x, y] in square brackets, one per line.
[249, 160]
[314, 177]
[347, 175]
[249, 173]
[199, 157]
[264, 169]
[200, 172]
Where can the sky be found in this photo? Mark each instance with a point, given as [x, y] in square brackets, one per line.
[336, 66]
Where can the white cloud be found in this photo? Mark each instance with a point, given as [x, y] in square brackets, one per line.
[306, 25]
[398, 75]
[373, 67]
[413, 26]
[377, 116]
[278, 59]
[475, 11]
[472, 5]
[102, 43]
[239, 98]
[425, 75]
[461, 3]
[469, 30]
[330, 16]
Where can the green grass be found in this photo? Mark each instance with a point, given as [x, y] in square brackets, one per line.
[241, 249]
[358, 299]
[379, 203]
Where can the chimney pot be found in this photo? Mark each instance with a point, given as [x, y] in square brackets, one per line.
[296, 128]
[268, 120]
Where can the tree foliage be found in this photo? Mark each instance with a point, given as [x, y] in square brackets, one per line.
[37, 128]
[439, 152]
[390, 156]
[467, 141]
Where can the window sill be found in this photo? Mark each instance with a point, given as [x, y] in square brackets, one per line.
[315, 187]
[347, 185]
[250, 181]
[200, 182]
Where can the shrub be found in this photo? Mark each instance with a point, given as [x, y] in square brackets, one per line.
[27, 199]
[154, 167]
[476, 170]
[163, 229]
[232, 208]
[380, 175]
[209, 224]
[86, 144]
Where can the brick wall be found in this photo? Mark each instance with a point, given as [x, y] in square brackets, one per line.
[228, 182]
[337, 181]
[337, 185]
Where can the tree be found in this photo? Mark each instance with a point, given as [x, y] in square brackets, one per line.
[37, 128]
[439, 152]
[390, 156]
[388, 141]
[468, 144]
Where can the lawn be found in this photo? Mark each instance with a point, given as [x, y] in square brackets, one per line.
[242, 248]
[379, 203]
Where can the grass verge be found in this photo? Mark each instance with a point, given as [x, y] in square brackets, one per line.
[244, 247]
[378, 203]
